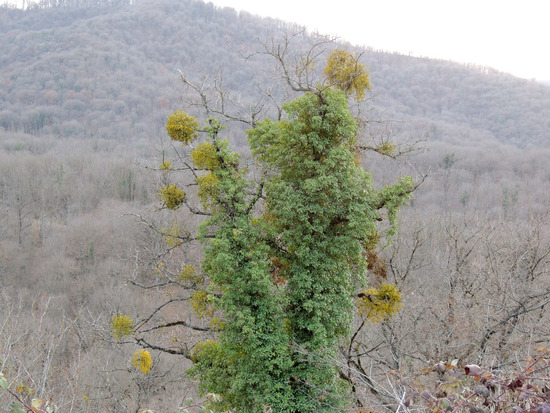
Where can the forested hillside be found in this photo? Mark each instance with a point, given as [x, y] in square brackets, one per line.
[111, 71]
[86, 89]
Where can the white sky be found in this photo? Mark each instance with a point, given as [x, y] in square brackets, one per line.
[510, 35]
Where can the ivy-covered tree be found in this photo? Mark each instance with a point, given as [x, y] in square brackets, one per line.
[285, 245]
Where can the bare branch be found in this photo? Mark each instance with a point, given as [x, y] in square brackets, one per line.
[145, 344]
[180, 323]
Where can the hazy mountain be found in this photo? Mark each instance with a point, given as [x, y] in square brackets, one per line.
[110, 70]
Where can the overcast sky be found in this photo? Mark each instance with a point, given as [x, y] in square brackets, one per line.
[510, 35]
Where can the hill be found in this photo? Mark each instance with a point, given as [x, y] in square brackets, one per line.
[110, 70]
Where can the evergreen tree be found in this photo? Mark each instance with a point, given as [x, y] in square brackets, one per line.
[285, 255]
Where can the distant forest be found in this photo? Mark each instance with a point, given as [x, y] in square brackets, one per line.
[86, 88]
[109, 70]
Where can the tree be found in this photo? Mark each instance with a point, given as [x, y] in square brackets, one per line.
[284, 244]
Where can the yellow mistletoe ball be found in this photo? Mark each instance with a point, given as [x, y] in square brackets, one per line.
[379, 304]
[205, 156]
[142, 361]
[344, 71]
[121, 325]
[182, 127]
[172, 196]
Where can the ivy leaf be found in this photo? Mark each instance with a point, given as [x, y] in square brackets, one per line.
[37, 403]
[3, 382]
[16, 408]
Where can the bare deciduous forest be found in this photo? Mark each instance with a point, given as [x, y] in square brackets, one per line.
[86, 89]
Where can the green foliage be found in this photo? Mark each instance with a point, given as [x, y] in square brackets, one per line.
[249, 364]
[287, 277]
[344, 71]
[283, 274]
[121, 325]
[172, 196]
[324, 209]
[17, 407]
[182, 127]
[391, 198]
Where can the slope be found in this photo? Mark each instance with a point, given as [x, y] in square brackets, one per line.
[110, 70]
